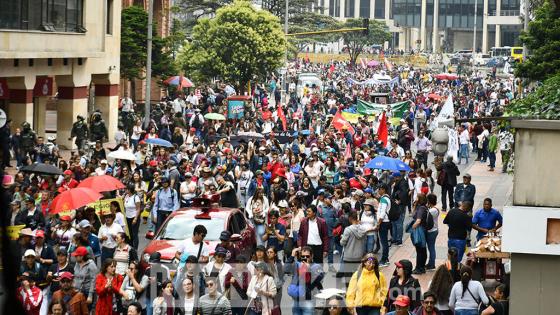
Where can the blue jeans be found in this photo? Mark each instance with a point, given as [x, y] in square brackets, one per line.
[466, 312]
[370, 243]
[259, 229]
[431, 241]
[333, 244]
[464, 152]
[303, 308]
[460, 245]
[397, 226]
[492, 157]
[368, 310]
[384, 237]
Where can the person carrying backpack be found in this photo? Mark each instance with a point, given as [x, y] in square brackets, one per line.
[419, 226]
[384, 223]
[399, 202]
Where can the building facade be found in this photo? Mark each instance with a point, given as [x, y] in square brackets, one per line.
[437, 25]
[63, 51]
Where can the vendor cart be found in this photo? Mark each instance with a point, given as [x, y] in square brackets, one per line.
[488, 265]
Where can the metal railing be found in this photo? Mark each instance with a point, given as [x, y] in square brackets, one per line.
[505, 13]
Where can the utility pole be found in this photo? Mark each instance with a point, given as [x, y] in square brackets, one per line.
[525, 26]
[474, 34]
[285, 79]
[147, 109]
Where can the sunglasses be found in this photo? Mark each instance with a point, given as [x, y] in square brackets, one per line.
[334, 307]
[209, 284]
[305, 256]
[429, 302]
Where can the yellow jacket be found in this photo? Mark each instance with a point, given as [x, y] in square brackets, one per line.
[366, 291]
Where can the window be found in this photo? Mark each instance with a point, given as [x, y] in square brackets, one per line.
[240, 221]
[109, 17]
[45, 15]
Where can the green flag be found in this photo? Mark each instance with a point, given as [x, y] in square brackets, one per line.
[367, 108]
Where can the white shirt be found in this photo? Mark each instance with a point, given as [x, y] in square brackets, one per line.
[130, 205]
[464, 137]
[313, 236]
[435, 214]
[187, 246]
[111, 233]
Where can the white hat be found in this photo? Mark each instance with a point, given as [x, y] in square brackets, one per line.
[283, 204]
[29, 252]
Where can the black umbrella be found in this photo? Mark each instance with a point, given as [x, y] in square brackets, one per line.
[42, 168]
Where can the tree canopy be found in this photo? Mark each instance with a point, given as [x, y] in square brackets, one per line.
[356, 41]
[237, 46]
[134, 41]
[309, 22]
[543, 41]
[543, 103]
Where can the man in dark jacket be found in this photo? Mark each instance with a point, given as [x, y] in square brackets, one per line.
[428, 305]
[400, 197]
[448, 182]
[313, 232]
[465, 191]
[32, 217]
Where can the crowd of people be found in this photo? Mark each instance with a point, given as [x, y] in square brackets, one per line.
[298, 177]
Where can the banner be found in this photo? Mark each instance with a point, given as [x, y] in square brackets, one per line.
[382, 131]
[4, 91]
[447, 111]
[367, 108]
[236, 109]
[353, 117]
[374, 81]
[43, 86]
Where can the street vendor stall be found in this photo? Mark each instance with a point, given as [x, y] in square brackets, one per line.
[487, 259]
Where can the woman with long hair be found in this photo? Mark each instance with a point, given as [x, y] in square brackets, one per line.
[57, 307]
[420, 212]
[257, 210]
[467, 294]
[134, 284]
[331, 171]
[276, 269]
[259, 255]
[133, 210]
[367, 289]
[117, 214]
[124, 254]
[441, 285]
[261, 291]
[403, 283]
[108, 289]
[165, 302]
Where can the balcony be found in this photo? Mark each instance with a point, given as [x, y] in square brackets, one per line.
[505, 13]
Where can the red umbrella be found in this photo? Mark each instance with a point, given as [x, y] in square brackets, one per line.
[179, 81]
[434, 96]
[446, 76]
[102, 183]
[73, 199]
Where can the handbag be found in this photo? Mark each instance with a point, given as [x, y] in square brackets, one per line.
[295, 289]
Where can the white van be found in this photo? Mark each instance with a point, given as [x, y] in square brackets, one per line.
[311, 80]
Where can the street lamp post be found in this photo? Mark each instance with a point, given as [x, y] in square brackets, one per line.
[474, 34]
[285, 76]
[149, 64]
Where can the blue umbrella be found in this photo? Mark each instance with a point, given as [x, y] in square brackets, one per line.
[305, 132]
[386, 163]
[159, 142]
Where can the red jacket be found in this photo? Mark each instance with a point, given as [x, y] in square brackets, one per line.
[30, 300]
[105, 295]
[323, 232]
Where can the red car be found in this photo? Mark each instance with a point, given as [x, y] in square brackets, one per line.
[180, 225]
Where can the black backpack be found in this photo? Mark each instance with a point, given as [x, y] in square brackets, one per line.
[394, 212]
[428, 220]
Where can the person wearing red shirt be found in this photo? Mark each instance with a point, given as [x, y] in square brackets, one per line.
[69, 182]
[107, 286]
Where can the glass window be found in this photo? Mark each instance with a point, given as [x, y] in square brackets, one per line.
[379, 9]
[364, 9]
[181, 227]
[240, 221]
[60, 15]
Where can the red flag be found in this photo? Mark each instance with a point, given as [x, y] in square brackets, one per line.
[282, 117]
[382, 131]
[348, 152]
[338, 122]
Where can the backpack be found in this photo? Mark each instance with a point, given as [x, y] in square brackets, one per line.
[196, 122]
[394, 212]
[425, 188]
[442, 177]
[428, 220]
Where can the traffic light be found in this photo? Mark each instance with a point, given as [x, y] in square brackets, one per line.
[365, 25]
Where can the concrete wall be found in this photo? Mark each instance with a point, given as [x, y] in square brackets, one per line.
[537, 155]
[535, 284]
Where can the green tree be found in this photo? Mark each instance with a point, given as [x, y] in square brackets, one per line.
[310, 22]
[543, 103]
[356, 41]
[543, 41]
[134, 41]
[238, 45]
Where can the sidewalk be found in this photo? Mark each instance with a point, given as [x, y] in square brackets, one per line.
[495, 185]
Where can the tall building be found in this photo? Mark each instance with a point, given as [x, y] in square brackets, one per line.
[63, 51]
[438, 25]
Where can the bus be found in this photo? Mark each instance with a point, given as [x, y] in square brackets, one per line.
[507, 51]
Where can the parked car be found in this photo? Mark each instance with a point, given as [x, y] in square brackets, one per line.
[495, 62]
[481, 59]
[180, 225]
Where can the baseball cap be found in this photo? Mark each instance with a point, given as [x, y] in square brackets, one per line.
[40, 233]
[368, 190]
[103, 162]
[153, 163]
[402, 301]
[29, 252]
[188, 174]
[225, 236]
[7, 180]
[467, 175]
[220, 251]
[84, 224]
[68, 172]
[193, 129]
[65, 218]
[65, 276]
[80, 251]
